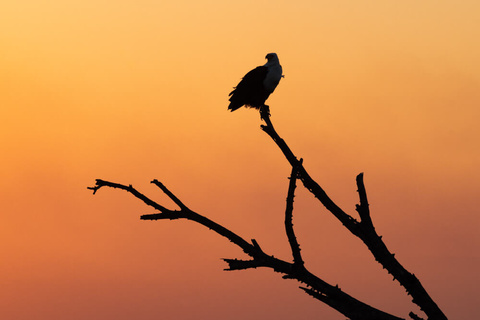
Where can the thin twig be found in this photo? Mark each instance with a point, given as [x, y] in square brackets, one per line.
[169, 194]
[102, 183]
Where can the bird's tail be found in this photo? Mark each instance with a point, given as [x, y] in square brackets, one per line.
[234, 106]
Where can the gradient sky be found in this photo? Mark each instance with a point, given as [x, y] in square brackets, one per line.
[136, 90]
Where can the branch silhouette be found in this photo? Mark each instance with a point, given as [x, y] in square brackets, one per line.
[292, 239]
[331, 295]
[316, 287]
[363, 229]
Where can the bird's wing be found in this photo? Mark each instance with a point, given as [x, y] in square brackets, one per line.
[252, 81]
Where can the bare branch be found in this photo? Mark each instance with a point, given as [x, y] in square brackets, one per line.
[364, 230]
[362, 208]
[351, 313]
[235, 264]
[316, 287]
[102, 183]
[188, 214]
[256, 245]
[169, 194]
[336, 298]
[292, 239]
[307, 181]
[315, 294]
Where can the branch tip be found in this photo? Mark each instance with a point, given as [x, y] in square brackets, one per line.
[236, 264]
[169, 194]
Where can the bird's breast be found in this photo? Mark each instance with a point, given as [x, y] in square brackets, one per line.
[272, 78]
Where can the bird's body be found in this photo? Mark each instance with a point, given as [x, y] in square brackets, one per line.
[257, 85]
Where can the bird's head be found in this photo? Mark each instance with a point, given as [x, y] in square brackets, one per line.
[271, 56]
[272, 59]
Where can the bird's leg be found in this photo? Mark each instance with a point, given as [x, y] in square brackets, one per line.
[264, 112]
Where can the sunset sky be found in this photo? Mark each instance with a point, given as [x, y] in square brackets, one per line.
[131, 91]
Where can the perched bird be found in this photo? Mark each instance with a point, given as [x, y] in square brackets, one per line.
[257, 85]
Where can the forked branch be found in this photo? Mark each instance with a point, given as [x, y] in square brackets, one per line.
[316, 287]
[313, 285]
[363, 229]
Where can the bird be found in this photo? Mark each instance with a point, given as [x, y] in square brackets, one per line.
[257, 85]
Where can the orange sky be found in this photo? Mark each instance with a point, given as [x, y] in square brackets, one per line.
[137, 90]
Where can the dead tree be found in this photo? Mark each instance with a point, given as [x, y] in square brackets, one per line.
[296, 270]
